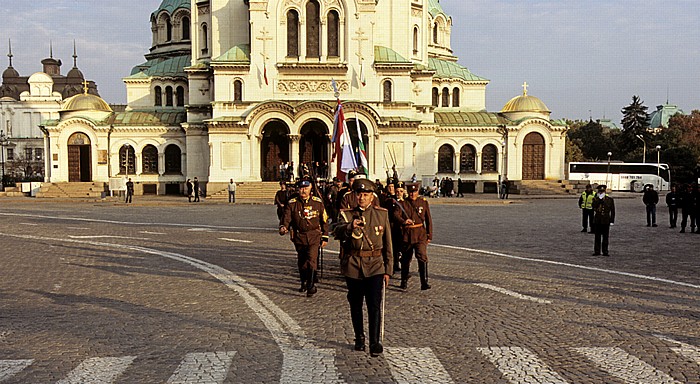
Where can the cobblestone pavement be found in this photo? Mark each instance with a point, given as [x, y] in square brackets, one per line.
[184, 293]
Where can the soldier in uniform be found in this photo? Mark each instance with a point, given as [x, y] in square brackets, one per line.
[417, 230]
[306, 217]
[390, 201]
[349, 199]
[604, 217]
[366, 261]
[281, 199]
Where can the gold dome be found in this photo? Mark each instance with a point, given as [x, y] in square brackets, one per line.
[525, 103]
[86, 102]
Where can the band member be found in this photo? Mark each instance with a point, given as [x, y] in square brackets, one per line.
[417, 230]
[306, 217]
[366, 261]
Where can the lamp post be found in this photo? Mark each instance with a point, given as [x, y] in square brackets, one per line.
[658, 163]
[644, 156]
[4, 141]
[608, 173]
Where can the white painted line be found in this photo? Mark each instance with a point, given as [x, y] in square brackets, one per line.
[9, 368]
[152, 233]
[520, 365]
[235, 240]
[416, 365]
[286, 332]
[107, 237]
[102, 370]
[688, 351]
[210, 368]
[78, 228]
[625, 367]
[628, 274]
[200, 230]
[32, 224]
[513, 294]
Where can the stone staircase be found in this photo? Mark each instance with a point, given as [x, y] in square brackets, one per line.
[261, 190]
[73, 190]
[548, 187]
[12, 192]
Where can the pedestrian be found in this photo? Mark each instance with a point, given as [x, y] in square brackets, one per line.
[417, 230]
[585, 203]
[283, 170]
[604, 217]
[672, 204]
[231, 192]
[687, 208]
[129, 191]
[305, 217]
[650, 199]
[460, 187]
[504, 188]
[195, 186]
[365, 237]
[414, 178]
[190, 190]
[281, 199]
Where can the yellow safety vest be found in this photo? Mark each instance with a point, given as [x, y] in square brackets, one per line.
[587, 200]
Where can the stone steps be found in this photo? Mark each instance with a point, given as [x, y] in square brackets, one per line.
[261, 190]
[72, 190]
[548, 187]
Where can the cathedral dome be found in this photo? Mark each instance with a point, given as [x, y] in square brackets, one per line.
[10, 73]
[435, 8]
[525, 103]
[86, 102]
[75, 73]
[171, 5]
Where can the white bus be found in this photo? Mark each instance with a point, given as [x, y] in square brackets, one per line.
[623, 176]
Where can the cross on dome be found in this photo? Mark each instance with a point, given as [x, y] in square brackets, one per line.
[525, 88]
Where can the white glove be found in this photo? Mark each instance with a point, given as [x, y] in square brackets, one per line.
[611, 224]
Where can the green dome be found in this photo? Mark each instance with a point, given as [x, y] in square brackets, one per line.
[171, 6]
[435, 8]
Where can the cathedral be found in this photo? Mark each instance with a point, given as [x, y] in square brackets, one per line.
[230, 89]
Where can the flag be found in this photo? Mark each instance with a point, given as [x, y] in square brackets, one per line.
[361, 152]
[363, 81]
[342, 144]
[265, 72]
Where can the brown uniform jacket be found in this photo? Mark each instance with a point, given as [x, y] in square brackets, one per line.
[367, 251]
[419, 211]
[603, 210]
[307, 219]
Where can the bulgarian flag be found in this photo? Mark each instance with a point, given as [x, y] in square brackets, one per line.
[342, 144]
[361, 152]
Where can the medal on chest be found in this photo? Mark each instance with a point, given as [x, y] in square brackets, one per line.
[308, 213]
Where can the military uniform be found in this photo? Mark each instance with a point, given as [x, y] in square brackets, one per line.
[365, 260]
[307, 220]
[604, 215]
[391, 204]
[415, 236]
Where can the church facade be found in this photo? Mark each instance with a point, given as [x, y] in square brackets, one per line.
[231, 89]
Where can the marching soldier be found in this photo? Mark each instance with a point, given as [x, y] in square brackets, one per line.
[349, 199]
[306, 217]
[417, 228]
[390, 201]
[604, 217]
[281, 199]
[366, 262]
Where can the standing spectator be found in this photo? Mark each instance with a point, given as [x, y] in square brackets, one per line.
[290, 171]
[231, 192]
[281, 199]
[650, 199]
[190, 190]
[414, 178]
[687, 209]
[460, 188]
[505, 186]
[195, 185]
[672, 204]
[129, 190]
[604, 217]
[585, 202]
[283, 170]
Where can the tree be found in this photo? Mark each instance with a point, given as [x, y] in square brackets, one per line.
[594, 140]
[635, 124]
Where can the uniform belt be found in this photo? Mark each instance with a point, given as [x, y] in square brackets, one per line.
[415, 225]
[376, 252]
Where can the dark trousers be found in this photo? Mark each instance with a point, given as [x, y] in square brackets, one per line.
[587, 218]
[368, 289]
[421, 251]
[651, 214]
[673, 216]
[128, 197]
[602, 232]
[684, 221]
[231, 196]
[307, 256]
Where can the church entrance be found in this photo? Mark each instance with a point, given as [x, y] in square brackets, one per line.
[533, 157]
[274, 149]
[79, 158]
[313, 146]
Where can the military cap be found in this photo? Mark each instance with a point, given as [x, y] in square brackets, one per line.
[304, 182]
[335, 179]
[363, 185]
[390, 180]
[351, 174]
[602, 187]
[400, 184]
[412, 188]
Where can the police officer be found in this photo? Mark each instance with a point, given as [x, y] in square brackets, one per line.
[585, 202]
[417, 229]
[604, 217]
[366, 261]
[306, 217]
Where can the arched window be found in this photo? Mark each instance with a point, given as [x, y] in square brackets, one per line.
[415, 40]
[313, 29]
[173, 159]
[205, 39]
[446, 156]
[387, 91]
[127, 160]
[149, 160]
[159, 96]
[333, 33]
[467, 159]
[154, 30]
[445, 97]
[180, 96]
[292, 34]
[435, 33]
[237, 90]
[185, 28]
[436, 97]
[168, 30]
[168, 96]
[455, 97]
[488, 159]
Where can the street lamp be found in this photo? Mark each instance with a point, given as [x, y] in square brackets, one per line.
[608, 173]
[4, 141]
[644, 156]
[658, 163]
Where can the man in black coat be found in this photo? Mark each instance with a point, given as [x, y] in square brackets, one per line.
[650, 199]
[603, 218]
[672, 204]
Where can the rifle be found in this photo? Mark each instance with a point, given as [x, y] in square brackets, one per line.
[317, 192]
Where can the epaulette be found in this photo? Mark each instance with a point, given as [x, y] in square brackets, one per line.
[378, 208]
[347, 193]
[316, 198]
[346, 209]
[292, 200]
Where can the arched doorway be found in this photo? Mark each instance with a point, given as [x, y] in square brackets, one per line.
[79, 158]
[533, 157]
[313, 145]
[274, 148]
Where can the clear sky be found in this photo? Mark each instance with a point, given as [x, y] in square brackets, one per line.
[582, 58]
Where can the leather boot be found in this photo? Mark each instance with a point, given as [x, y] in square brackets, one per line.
[375, 345]
[404, 277]
[358, 327]
[423, 271]
[360, 343]
[310, 285]
[303, 278]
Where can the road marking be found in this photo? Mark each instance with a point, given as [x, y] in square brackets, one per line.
[288, 335]
[9, 368]
[688, 351]
[235, 240]
[416, 365]
[520, 365]
[107, 237]
[102, 370]
[511, 293]
[203, 368]
[78, 228]
[628, 274]
[625, 367]
[32, 224]
[152, 233]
